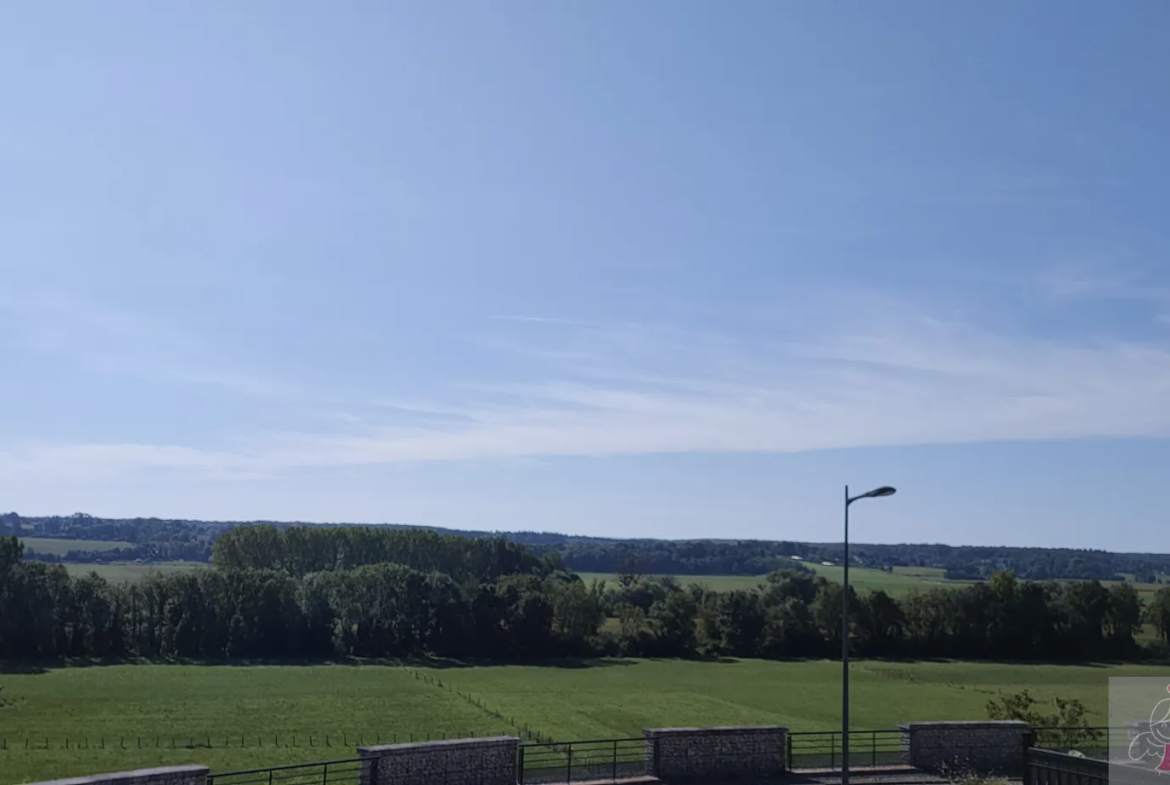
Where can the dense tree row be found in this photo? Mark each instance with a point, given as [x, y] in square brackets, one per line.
[795, 614]
[525, 608]
[156, 540]
[376, 610]
[301, 550]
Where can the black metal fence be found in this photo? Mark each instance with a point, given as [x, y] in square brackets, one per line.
[579, 761]
[1080, 756]
[1045, 767]
[332, 772]
[823, 749]
[1053, 756]
[1090, 742]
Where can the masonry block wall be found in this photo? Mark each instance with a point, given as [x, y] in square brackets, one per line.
[170, 775]
[716, 753]
[985, 747]
[489, 761]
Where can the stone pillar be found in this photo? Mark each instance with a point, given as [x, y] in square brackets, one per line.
[716, 753]
[169, 775]
[957, 747]
[490, 761]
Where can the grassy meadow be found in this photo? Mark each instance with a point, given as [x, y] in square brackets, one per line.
[898, 583]
[244, 713]
[84, 719]
[116, 572]
[55, 547]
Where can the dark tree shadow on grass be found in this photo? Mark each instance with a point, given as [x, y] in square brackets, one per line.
[567, 663]
[434, 663]
[37, 667]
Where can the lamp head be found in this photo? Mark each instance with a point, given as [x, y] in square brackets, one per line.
[885, 490]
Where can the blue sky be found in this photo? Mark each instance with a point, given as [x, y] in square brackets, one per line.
[637, 269]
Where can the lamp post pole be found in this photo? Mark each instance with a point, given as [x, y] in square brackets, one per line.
[845, 653]
[885, 490]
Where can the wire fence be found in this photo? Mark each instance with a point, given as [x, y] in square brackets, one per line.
[497, 723]
[517, 728]
[208, 741]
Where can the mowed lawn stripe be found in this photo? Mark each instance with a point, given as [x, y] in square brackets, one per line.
[57, 547]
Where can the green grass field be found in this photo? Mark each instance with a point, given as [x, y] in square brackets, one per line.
[61, 547]
[897, 583]
[263, 706]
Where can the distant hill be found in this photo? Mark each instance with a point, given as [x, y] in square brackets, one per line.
[156, 539]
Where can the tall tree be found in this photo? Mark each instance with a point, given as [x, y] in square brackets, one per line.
[1158, 613]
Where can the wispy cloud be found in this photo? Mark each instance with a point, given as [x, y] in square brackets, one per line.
[539, 319]
[903, 380]
[102, 337]
[1120, 279]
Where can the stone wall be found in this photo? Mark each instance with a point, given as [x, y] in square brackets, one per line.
[757, 752]
[170, 775]
[489, 761]
[985, 747]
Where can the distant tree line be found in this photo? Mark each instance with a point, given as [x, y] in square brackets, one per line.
[394, 593]
[152, 552]
[137, 531]
[302, 550]
[755, 557]
[678, 557]
[154, 539]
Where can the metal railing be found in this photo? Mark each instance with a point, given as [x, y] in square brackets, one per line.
[332, 772]
[611, 760]
[1081, 756]
[1091, 742]
[822, 749]
[579, 761]
[1045, 767]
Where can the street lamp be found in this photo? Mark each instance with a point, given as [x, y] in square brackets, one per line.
[885, 490]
